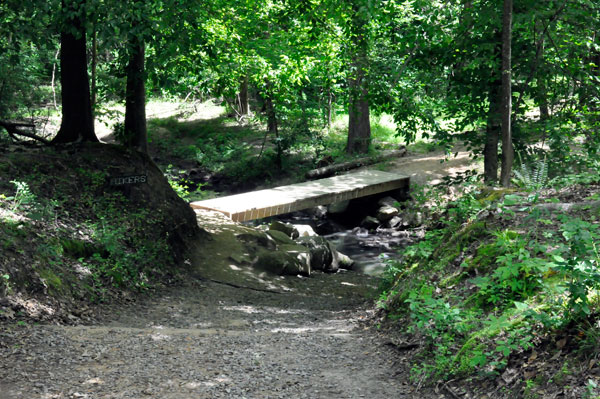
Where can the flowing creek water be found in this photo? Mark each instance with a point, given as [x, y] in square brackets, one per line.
[370, 250]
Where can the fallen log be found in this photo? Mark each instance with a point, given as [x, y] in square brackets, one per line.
[330, 170]
[15, 129]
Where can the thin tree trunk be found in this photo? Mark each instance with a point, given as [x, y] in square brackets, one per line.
[244, 105]
[490, 150]
[77, 120]
[135, 98]
[329, 107]
[271, 115]
[53, 83]
[507, 145]
[94, 67]
[272, 126]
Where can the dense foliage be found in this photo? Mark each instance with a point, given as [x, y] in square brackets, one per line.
[434, 67]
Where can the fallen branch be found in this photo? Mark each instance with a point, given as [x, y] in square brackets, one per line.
[14, 129]
[330, 170]
[561, 206]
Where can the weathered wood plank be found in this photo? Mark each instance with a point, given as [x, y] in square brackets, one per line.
[295, 197]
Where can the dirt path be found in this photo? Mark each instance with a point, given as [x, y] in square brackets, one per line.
[209, 340]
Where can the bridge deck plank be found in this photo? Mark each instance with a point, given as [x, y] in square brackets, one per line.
[295, 197]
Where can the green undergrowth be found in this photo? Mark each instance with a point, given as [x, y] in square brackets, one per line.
[246, 153]
[65, 233]
[499, 276]
[221, 146]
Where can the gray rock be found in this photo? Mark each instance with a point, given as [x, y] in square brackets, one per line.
[287, 260]
[280, 237]
[412, 219]
[360, 232]
[286, 228]
[320, 252]
[319, 212]
[304, 230]
[256, 238]
[370, 223]
[389, 201]
[342, 261]
[394, 222]
[386, 212]
[338, 207]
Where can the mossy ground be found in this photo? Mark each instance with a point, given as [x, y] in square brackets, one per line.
[67, 235]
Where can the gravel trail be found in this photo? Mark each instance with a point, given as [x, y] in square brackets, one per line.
[210, 340]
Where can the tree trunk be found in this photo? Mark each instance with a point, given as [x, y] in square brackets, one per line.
[271, 115]
[94, 67]
[492, 134]
[359, 125]
[243, 97]
[77, 120]
[507, 145]
[135, 98]
[542, 90]
[329, 107]
[272, 126]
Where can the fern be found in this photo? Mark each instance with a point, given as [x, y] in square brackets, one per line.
[532, 177]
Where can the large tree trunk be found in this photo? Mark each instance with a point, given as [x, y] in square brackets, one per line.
[507, 145]
[135, 98]
[77, 120]
[359, 125]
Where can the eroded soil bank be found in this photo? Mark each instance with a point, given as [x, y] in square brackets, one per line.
[211, 340]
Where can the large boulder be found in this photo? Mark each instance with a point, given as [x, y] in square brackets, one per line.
[286, 228]
[254, 238]
[280, 237]
[287, 260]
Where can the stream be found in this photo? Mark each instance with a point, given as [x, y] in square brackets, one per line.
[370, 250]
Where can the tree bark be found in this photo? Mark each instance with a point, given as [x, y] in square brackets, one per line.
[507, 145]
[135, 98]
[329, 107]
[77, 120]
[243, 97]
[331, 170]
[94, 68]
[359, 124]
[492, 135]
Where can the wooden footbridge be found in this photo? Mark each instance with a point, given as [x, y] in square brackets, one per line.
[295, 197]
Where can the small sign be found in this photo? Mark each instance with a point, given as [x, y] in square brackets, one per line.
[128, 180]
